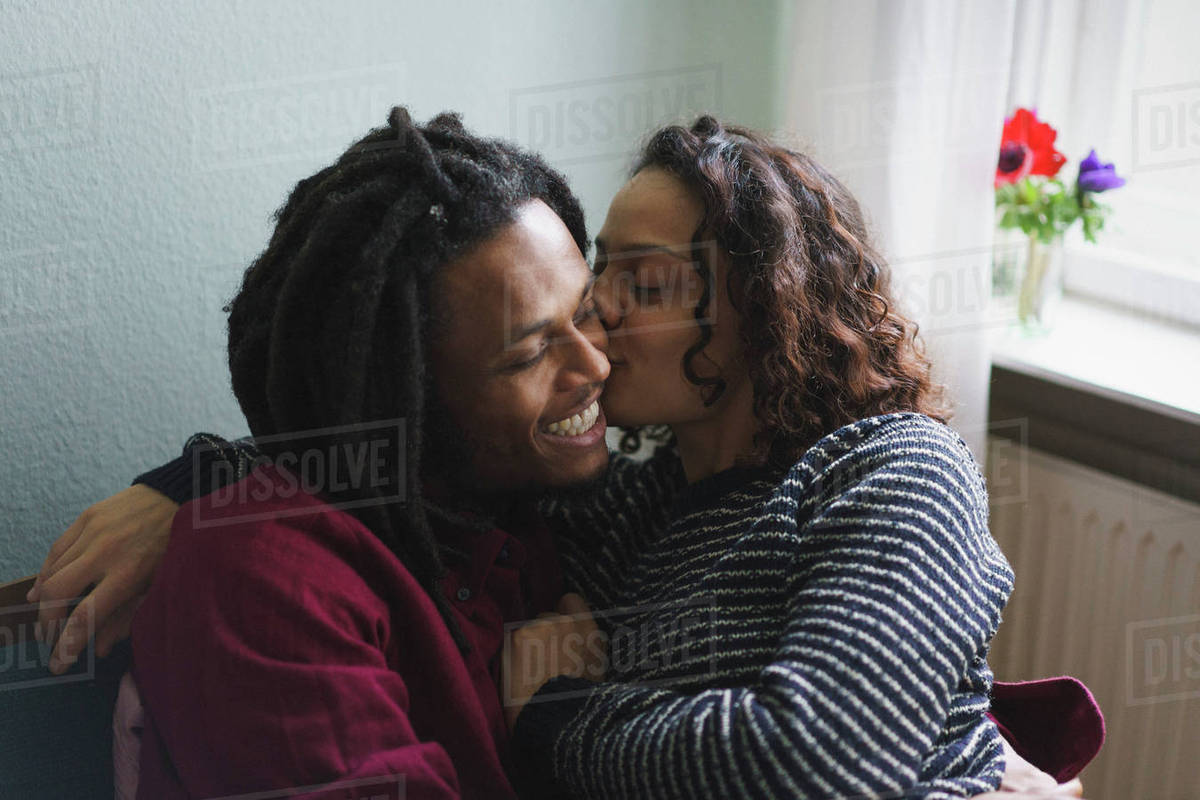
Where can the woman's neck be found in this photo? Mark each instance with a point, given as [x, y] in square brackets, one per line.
[715, 444]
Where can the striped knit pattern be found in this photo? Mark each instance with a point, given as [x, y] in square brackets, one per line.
[819, 633]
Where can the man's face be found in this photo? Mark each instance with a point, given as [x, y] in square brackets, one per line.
[519, 360]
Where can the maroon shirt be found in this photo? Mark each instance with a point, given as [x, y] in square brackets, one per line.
[282, 647]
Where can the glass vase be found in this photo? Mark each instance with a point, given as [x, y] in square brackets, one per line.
[1027, 280]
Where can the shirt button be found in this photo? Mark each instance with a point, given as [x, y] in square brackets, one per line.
[464, 594]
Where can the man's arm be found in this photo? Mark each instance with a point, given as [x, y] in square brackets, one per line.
[262, 659]
[110, 552]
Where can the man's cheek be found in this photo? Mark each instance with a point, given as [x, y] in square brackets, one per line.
[502, 433]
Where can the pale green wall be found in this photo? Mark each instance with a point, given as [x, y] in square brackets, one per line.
[136, 185]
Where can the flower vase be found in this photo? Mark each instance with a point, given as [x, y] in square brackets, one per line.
[1027, 280]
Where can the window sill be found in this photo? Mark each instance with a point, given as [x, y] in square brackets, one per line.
[1108, 388]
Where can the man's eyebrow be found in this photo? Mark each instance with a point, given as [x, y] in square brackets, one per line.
[528, 330]
[540, 325]
[636, 249]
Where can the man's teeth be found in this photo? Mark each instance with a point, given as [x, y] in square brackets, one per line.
[579, 424]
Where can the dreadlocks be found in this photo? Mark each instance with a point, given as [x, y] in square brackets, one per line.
[331, 327]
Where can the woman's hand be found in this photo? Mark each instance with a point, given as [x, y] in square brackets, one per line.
[566, 643]
[1022, 779]
[1072, 788]
[115, 545]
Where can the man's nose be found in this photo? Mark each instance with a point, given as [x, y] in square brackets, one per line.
[587, 364]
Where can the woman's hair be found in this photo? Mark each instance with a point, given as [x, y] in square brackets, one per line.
[331, 327]
[823, 341]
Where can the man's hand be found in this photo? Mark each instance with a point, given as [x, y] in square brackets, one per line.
[1022, 779]
[566, 643]
[115, 546]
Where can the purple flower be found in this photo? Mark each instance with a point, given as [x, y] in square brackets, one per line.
[1095, 176]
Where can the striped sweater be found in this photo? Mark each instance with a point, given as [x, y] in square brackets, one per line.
[819, 633]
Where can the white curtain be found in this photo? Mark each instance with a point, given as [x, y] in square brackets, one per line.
[1076, 63]
[905, 101]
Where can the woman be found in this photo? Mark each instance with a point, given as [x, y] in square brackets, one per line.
[830, 525]
[801, 378]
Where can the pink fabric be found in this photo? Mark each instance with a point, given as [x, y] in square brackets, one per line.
[1053, 723]
[127, 739]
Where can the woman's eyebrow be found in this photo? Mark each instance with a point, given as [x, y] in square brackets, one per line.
[638, 249]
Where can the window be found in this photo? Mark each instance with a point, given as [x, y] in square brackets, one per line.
[1124, 77]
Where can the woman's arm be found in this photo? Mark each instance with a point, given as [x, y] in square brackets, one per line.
[115, 545]
[890, 608]
[206, 464]
[599, 530]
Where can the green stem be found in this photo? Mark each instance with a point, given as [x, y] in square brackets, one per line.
[1035, 269]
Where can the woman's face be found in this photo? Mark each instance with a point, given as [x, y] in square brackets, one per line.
[648, 291]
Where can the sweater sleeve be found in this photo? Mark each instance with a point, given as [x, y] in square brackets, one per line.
[265, 667]
[599, 531]
[206, 464]
[896, 590]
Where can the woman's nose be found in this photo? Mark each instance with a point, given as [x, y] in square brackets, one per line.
[608, 304]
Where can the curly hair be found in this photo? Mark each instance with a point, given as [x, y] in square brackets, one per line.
[332, 324]
[823, 341]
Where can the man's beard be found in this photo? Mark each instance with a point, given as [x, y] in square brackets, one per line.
[455, 464]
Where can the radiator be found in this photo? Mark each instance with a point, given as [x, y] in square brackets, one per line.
[1107, 590]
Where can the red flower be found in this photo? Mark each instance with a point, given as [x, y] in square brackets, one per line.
[1027, 148]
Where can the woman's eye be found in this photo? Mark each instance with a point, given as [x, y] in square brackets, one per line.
[647, 294]
[589, 310]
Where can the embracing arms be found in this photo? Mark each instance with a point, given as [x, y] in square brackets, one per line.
[115, 545]
[112, 550]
